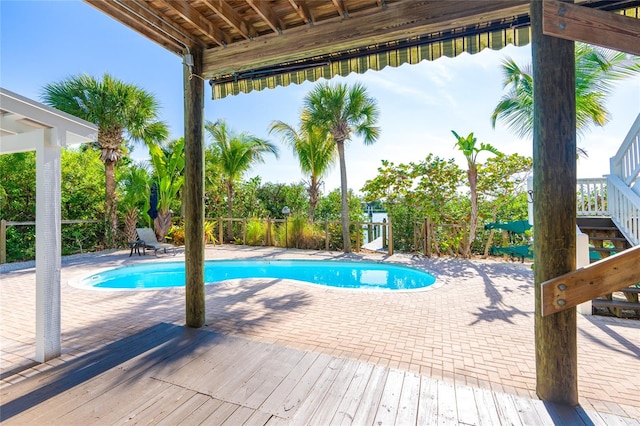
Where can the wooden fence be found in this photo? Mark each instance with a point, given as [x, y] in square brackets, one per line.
[4, 224]
[373, 230]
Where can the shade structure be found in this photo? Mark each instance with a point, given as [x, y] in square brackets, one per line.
[26, 125]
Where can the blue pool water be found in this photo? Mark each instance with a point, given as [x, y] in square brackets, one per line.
[361, 275]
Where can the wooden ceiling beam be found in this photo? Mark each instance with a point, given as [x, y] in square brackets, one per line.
[579, 23]
[267, 15]
[302, 13]
[339, 5]
[191, 15]
[231, 17]
[399, 20]
[166, 39]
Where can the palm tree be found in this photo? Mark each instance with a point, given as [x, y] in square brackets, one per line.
[236, 153]
[341, 111]
[596, 70]
[134, 187]
[470, 149]
[122, 112]
[315, 152]
[168, 164]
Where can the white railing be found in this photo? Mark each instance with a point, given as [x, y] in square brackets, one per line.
[626, 163]
[624, 205]
[592, 197]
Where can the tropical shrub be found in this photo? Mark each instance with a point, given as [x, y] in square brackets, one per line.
[256, 232]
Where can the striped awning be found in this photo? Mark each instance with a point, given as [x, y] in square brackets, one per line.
[410, 51]
[493, 35]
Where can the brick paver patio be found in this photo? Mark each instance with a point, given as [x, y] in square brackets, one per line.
[475, 328]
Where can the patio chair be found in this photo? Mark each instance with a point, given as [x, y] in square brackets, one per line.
[149, 241]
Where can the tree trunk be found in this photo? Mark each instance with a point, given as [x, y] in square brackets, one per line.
[313, 198]
[490, 239]
[554, 200]
[162, 224]
[229, 211]
[346, 238]
[472, 174]
[193, 192]
[130, 222]
[111, 204]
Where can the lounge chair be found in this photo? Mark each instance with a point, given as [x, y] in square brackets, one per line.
[149, 241]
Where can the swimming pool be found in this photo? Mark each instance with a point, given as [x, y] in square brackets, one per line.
[333, 273]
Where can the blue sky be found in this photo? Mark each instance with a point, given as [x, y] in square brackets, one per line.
[46, 41]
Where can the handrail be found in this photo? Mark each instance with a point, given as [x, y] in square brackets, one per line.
[597, 279]
[626, 163]
[624, 205]
[592, 197]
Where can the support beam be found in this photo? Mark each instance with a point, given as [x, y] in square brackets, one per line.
[597, 279]
[579, 23]
[48, 247]
[193, 193]
[554, 198]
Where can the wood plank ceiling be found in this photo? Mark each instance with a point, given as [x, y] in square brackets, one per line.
[246, 35]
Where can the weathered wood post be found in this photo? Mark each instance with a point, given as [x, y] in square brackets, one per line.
[554, 200]
[193, 194]
[220, 231]
[390, 251]
[244, 231]
[326, 235]
[268, 242]
[384, 233]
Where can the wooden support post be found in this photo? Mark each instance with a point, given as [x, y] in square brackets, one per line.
[193, 194]
[3, 241]
[244, 231]
[427, 224]
[326, 235]
[384, 234]
[390, 251]
[268, 231]
[554, 200]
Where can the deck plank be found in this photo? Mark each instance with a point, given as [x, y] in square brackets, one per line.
[507, 411]
[262, 384]
[408, 404]
[428, 402]
[178, 415]
[527, 411]
[301, 390]
[258, 418]
[353, 395]
[308, 405]
[201, 413]
[466, 405]
[239, 417]
[335, 394]
[221, 414]
[388, 407]
[447, 412]
[275, 400]
[366, 410]
[29, 394]
[486, 405]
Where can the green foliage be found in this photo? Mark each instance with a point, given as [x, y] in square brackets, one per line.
[256, 232]
[168, 164]
[81, 197]
[274, 196]
[597, 69]
[316, 153]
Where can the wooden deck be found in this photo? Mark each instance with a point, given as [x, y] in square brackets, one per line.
[170, 374]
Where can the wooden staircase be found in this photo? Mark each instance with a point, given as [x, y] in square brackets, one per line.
[605, 239]
[608, 212]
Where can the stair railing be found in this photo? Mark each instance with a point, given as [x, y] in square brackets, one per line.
[592, 197]
[624, 205]
[626, 163]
